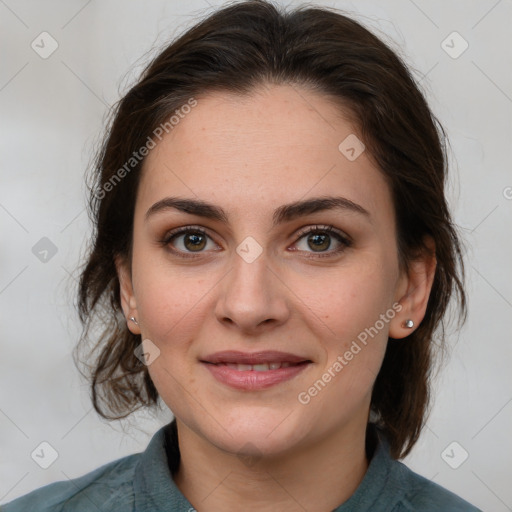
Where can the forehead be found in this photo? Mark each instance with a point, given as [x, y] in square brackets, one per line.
[247, 153]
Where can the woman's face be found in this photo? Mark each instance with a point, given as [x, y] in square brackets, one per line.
[254, 285]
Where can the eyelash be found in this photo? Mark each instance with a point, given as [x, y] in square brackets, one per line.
[329, 230]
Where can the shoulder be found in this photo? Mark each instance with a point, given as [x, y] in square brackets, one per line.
[108, 488]
[423, 495]
[390, 486]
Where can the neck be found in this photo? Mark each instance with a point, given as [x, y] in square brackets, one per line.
[320, 476]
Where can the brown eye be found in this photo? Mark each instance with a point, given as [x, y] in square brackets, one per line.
[194, 241]
[184, 241]
[319, 239]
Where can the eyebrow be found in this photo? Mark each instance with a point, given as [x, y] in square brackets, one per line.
[284, 213]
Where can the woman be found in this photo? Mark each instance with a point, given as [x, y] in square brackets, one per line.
[273, 253]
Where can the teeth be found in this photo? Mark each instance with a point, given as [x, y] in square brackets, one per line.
[240, 367]
[263, 367]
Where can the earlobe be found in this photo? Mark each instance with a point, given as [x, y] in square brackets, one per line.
[414, 292]
[128, 301]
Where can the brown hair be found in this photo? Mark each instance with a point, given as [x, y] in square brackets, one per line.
[236, 49]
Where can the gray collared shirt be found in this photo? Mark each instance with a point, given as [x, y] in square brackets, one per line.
[143, 482]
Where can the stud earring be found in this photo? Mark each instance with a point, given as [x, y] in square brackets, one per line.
[409, 324]
[133, 319]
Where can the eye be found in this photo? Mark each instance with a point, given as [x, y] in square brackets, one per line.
[320, 239]
[187, 240]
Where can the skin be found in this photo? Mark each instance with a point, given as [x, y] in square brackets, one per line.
[251, 155]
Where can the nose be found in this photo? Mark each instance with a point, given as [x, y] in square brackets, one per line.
[252, 297]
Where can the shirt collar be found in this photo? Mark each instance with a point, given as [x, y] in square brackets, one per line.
[154, 486]
[155, 489]
[380, 489]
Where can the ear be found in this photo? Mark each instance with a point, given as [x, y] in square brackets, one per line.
[414, 289]
[128, 302]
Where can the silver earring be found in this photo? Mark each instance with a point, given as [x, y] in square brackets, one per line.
[409, 324]
[133, 319]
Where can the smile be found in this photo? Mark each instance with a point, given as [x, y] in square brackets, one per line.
[263, 367]
[246, 371]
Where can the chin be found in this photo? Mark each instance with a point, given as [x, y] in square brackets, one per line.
[256, 431]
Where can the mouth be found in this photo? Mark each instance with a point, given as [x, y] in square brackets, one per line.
[266, 357]
[262, 367]
[253, 371]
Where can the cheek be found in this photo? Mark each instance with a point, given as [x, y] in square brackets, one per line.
[170, 299]
[354, 349]
[355, 309]
[346, 302]
[172, 305]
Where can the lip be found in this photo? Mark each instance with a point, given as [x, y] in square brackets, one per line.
[267, 356]
[251, 380]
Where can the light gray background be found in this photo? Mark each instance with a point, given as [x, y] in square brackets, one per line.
[52, 113]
